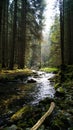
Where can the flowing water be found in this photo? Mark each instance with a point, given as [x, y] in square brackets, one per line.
[44, 88]
[30, 93]
[14, 95]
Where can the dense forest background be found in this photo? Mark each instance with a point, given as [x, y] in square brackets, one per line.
[24, 54]
[21, 25]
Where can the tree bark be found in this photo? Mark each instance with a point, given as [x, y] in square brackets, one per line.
[22, 49]
[62, 29]
[3, 34]
[14, 36]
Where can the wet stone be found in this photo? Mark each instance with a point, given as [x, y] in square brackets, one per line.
[31, 80]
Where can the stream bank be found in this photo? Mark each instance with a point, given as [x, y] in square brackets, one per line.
[60, 119]
[63, 118]
[22, 99]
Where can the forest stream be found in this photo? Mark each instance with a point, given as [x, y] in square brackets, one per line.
[42, 88]
[21, 92]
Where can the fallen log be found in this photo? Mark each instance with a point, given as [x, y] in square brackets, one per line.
[19, 113]
[41, 120]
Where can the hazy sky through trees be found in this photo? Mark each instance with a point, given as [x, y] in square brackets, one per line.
[49, 15]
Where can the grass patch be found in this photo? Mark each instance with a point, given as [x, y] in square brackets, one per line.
[47, 69]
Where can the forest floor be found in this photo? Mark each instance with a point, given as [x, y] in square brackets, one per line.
[63, 119]
[15, 72]
[10, 75]
[26, 116]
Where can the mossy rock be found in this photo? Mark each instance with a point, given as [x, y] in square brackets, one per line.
[18, 115]
[57, 85]
[60, 89]
[31, 80]
[60, 92]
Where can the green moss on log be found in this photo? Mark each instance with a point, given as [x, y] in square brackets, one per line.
[20, 113]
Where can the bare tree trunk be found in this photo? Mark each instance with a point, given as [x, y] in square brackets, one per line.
[62, 29]
[1, 8]
[21, 63]
[3, 35]
[14, 36]
[70, 44]
[6, 35]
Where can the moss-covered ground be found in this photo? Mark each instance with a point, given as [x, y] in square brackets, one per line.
[63, 118]
[49, 69]
[10, 75]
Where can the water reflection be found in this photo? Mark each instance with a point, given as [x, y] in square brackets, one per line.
[27, 93]
[43, 87]
[15, 95]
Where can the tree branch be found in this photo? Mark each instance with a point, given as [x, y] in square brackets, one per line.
[41, 120]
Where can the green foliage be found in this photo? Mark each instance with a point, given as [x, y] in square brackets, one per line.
[63, 118]
[55, 51]
[55, 31]
[21, 28]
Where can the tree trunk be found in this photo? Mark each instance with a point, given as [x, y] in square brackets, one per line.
[14, 36]
[62, 29]
[6, 34]
[70, 44]
[3, 34]
[22, 49]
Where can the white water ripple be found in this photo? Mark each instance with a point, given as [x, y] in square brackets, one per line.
[44, 88]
